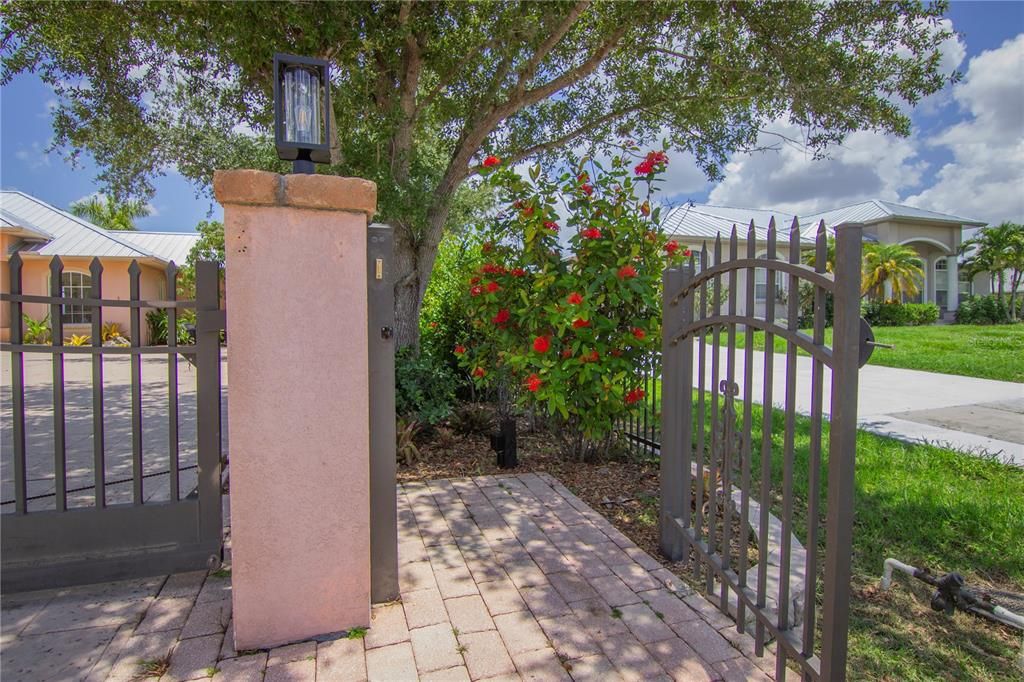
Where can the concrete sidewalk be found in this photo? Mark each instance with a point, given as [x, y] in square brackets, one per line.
[961, 413]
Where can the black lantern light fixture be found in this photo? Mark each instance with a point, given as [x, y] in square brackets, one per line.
[302, 111]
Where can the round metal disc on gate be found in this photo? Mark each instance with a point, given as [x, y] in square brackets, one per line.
[867, 342]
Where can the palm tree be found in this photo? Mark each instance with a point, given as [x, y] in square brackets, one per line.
[110, 214]
[830, 256]
[996, 249]
[898, 265]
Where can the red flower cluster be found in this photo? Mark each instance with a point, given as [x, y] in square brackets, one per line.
[626, 272]
[687, 253]
[592, 356]
[541, 344]
[432, 325]
[528, 211]
[639, 333]
[533, 382]
[587, 189]
[635, 395]
[518, 272]
[502, 317]
[648, 165]
[476, 291]
[479, 372]
[460, 349]
[492, 269]
[551, 226]
[578, 323]
[591, 233]
[474, 280]
[493, 287]
[671, 247]
[491, 161]
[574, 298]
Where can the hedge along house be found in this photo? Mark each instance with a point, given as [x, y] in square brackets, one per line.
[936, 238]
[38, 231]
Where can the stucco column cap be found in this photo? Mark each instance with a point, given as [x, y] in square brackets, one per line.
[323, 192]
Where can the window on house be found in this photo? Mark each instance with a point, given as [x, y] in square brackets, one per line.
[941, 283]
[75, 285]
[761, 284]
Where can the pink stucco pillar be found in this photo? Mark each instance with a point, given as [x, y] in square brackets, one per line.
[298, 408]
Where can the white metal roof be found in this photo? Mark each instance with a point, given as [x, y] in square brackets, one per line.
[64, 234]
[877, 210]
[167, 246]
[706, 222]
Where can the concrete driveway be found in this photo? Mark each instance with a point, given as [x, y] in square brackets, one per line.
[961, 413]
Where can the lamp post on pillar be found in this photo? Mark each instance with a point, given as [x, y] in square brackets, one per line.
[302, 111]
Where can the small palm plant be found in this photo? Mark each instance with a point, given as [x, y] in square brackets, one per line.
[895, 264]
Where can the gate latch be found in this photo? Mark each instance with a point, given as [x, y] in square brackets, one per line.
[386, 333]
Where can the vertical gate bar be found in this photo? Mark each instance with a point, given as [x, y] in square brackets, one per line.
[842, 447]
[792, 323]
[729, 428]
[134, 271]
[17, 388]
[384, 585]
[208, 396]
[647, 392]
[748, 399]
[98, 440]
[766, 439]
[685, 397]
[698, 525]
[172, 382]
[675, 475]
[59, 449]
[814, 454]
[716, 437]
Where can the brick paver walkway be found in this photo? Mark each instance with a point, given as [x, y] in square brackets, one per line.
[502, 578]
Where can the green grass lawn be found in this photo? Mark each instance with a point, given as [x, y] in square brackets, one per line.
[987, 352]
[928, 507]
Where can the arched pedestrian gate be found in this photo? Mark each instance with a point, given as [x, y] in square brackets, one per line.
[743, 484]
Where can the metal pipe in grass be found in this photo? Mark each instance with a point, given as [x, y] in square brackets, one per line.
[950, 593]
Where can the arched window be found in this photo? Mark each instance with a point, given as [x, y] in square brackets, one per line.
[75, 285]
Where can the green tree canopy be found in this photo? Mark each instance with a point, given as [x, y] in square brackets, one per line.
[422, 90]
[109, 213]
[998, 250]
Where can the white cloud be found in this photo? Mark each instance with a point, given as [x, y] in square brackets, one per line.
[985, 180]
[867, 165]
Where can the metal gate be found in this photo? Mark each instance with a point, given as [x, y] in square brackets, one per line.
[731, 501]
[62, 526]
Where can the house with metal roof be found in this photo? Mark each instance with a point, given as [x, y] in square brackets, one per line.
[936, 238]
[38, 232]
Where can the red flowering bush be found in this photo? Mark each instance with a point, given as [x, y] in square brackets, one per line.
[568, 327]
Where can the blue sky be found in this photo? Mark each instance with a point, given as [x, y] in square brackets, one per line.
[965, 156]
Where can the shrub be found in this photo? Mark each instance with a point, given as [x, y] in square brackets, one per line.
[567, 332]
[991, 309]
[879, 314]
[444, 320]
[470, 418]
[156, 321]
[36, 331]
[424, 387]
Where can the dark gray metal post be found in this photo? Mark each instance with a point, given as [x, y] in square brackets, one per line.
[675, 435]
[209, 323]
[383, 494]
[841, 452]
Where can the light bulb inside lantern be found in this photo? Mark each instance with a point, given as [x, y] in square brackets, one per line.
[302, 105]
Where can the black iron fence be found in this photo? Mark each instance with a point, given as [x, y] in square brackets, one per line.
[110, 531]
